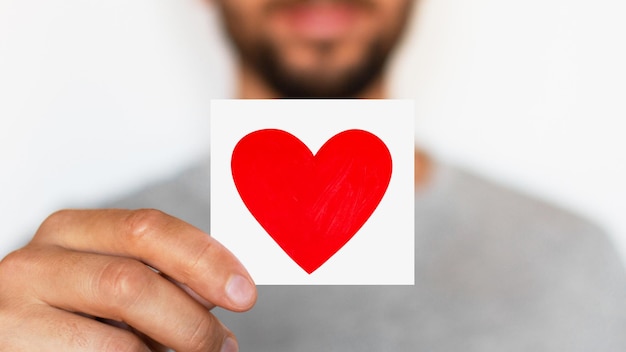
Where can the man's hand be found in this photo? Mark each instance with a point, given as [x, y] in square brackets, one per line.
[118, 280]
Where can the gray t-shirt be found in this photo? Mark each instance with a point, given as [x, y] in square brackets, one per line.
[495, 271]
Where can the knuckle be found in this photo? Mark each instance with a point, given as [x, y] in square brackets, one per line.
[198, 260]
[122, 283]
[143, 222]
[122, 342]
[205, 336]
[25, 263]
[54, 221]
[14, 264]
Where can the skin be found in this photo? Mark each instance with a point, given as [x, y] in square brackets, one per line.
[122, 280]
[94, 262]
[304, 54]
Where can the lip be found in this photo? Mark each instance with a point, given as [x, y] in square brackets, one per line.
[318, 21]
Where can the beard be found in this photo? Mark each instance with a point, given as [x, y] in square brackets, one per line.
[317, 82]
[263, 56]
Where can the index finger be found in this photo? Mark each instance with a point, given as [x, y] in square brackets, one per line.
[178, 249]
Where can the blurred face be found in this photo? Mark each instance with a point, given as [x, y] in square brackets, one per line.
[315, 48]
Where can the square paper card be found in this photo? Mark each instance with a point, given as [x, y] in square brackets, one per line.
[315, 191]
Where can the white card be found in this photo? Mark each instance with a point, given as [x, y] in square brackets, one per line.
[249, 218]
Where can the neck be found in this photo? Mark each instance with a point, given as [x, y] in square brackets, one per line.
[251, 86]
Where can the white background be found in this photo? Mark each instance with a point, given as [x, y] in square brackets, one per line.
[96, 97]
[376, 254]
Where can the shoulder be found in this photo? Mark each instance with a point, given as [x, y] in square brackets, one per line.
[462, 197]
[497, 220]
[520, 258]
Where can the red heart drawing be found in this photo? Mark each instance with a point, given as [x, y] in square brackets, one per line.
[311, 205]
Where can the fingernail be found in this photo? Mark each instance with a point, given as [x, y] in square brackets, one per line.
[240, 291]
[229, 345]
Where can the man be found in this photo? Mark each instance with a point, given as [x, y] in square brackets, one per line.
[494, 270]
